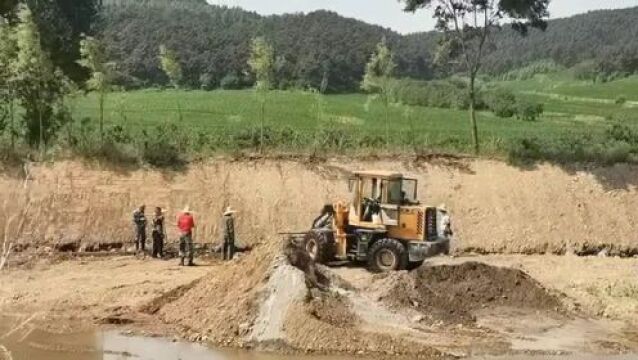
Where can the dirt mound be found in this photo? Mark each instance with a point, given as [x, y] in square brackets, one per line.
[453, 293]
[223, 306]
[332, 309]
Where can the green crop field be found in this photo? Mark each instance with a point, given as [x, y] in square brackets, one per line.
[223, 114]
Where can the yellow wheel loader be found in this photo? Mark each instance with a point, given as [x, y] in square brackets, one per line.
[384, 225]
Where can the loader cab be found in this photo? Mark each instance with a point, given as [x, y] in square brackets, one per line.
[383, 224]
[377, 197]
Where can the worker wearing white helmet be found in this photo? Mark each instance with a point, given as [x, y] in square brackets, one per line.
[446, 223]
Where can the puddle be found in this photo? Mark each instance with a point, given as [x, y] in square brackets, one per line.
[36, 344]
[33, 344]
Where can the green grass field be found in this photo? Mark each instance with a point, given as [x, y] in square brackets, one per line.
[570, 108]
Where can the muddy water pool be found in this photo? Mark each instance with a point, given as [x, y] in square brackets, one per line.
[113, 345]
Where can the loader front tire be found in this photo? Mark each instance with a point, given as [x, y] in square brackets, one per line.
[319, 246]
[387, 255]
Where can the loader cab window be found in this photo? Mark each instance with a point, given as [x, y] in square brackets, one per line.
[409, 188]
[394, 193]
[401, 191]
[371, 192]
[371, 188]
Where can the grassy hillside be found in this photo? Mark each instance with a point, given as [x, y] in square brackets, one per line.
[564, 97]
[293, 120]
[564, 84]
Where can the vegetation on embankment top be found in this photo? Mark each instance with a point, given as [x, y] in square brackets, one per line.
[171, 127]
[570, 129]
[536, 112]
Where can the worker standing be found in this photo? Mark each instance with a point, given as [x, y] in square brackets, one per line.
[228, 223]
[159, 233]
[446, 222]
[186, 224]
[139, 221]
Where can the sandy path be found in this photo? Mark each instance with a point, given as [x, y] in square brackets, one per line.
[88, 290]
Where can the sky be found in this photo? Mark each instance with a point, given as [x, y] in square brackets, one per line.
[387, 13]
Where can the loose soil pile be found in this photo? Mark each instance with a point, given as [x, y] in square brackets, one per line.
[332, 309]
[453, 293]
[223, 305]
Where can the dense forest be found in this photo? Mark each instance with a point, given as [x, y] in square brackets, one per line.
[61, 24]
[608, 38]
[213, 44]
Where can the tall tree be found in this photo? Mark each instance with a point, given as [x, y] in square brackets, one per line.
[378, 79]
[38, 86]
[467, 26]
[7, 77]
[61, 24]
[170, 65]
[262, 64]
[94, 59]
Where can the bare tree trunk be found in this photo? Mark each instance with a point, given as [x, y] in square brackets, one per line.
[475, 136]
[102, 117]
[387, 123]
[261, 127]
[317, 127]
[11, 127]
[41, 130]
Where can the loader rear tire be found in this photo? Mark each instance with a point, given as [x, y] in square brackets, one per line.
[387, 255]
[319, 246]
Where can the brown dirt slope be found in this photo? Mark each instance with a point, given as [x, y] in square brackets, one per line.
[495, 207]
[222, 307]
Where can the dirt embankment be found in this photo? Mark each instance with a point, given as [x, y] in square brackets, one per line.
[496, 208]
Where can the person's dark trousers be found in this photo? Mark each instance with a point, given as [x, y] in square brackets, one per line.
[186, 249]
[158, 244]
[140, 239]
[228, 250]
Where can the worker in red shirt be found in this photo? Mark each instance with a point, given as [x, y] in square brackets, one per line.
[185, 224]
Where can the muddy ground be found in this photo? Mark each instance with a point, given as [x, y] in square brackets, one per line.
[69, 225]
[461, 306]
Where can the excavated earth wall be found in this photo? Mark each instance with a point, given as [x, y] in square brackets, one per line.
[495, 208]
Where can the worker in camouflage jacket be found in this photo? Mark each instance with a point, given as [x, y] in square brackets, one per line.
[139, 222]
[228, 225]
